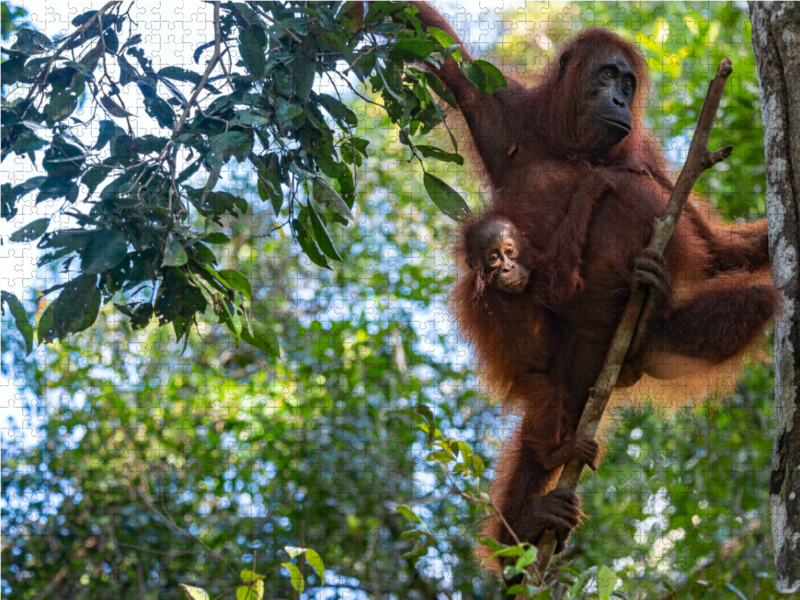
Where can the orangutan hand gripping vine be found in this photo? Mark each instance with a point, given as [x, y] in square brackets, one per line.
[576, 183]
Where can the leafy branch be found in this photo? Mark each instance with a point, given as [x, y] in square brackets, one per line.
[142, 229]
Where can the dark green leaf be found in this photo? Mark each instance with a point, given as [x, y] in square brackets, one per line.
[31, 231]
[411, 49]
[111, 40]
[174, 253]
[181, 74]
[220, 203]
[251, 118]
[73, 239]
[327, 196]
[63, 160]
[62, 104]
[475, 74]
[115, 109]
[127, 73]
[439, 154]
[441, 91]
[32, 42]
[9, 201]
[160, 111]
[27, 142]
[321, 235]
[104, 251]
[337, 109]
[20, 318]
[75, 309]
[95, 176]
[307, 244]
[378, 11]
[237, 281]
[217, 238]
[232, 143]
[230, 316]
[251, 47]
[92, 58]
[446, 198]
[262, 338]
[304, 68]
[494, 76]
[199, 50]
[108, 130]
[286, 111]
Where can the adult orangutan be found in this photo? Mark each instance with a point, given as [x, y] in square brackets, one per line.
[543, 345]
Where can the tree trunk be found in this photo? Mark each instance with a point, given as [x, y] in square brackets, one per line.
[776, 44]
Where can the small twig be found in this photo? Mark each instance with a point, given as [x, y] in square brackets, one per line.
[174, 526]
[496, 511]
[198, 88]
[42, 79]
[289, 30]
[169, 553]
[698, 160]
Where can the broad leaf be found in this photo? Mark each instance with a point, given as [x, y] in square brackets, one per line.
[20, 318]
[326, 195]
[606, 582]
[31, 231]
[74, 310]
[439, 154]
[321, 236]
[446, 198]
[237, 281]
[262, 338]
[308, 245]
[194, 593]
[104, 251]
[296, 577]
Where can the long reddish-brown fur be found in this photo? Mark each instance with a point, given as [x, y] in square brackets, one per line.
[542, 350]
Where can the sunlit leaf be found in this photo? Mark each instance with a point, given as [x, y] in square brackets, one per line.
[606, 582]
[296, 577]
[194, 592]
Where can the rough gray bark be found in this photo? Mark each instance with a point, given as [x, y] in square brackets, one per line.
[776, 44]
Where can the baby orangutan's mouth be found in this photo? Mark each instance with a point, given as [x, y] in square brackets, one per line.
[515, 286]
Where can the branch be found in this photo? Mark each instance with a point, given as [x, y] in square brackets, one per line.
[198, 88]
[169, 522]
[42, 79]
[699, 159]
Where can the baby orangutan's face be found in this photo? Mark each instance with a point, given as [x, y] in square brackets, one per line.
[503, 255]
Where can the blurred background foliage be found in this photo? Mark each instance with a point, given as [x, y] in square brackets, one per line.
[138, 467]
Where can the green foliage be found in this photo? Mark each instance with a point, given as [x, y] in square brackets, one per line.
[147, 226]
[368, 440]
